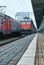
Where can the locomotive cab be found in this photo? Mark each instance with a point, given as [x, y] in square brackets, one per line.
[26, 26]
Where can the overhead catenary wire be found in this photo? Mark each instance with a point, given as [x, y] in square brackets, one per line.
[10, 6]
[32, 13]
[26, 6]
[21, 4]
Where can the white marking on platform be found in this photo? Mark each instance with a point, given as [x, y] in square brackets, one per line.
[29, 56]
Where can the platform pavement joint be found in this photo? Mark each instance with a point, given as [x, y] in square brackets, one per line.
[39, 58]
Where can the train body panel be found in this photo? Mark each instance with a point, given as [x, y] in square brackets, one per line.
[15, 26]
[8, 25]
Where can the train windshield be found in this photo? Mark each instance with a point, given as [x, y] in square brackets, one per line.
[25, 22]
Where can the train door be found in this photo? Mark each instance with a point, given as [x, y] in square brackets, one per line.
[9, 26]
[4, 26]
[1, 25]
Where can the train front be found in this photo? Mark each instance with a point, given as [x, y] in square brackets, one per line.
[26, 26]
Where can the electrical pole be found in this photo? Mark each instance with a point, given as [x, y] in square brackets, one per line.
[2, 9]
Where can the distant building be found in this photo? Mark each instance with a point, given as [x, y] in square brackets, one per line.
[21, 15]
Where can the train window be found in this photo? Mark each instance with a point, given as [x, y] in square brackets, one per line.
[22, 22]
[1, 22]
[4, 22]
[28, 22]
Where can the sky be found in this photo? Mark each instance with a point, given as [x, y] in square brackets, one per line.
[13, 6]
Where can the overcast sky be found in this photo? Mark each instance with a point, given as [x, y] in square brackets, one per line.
[13, 6]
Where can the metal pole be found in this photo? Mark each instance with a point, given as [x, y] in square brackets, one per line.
[2, 9]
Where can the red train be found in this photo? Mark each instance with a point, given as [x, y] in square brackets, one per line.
[26, 26]
[8, 25]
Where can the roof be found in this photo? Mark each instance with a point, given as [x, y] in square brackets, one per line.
[38, 6]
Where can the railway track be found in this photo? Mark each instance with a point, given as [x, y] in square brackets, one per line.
[11, 53]
[6, 41]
